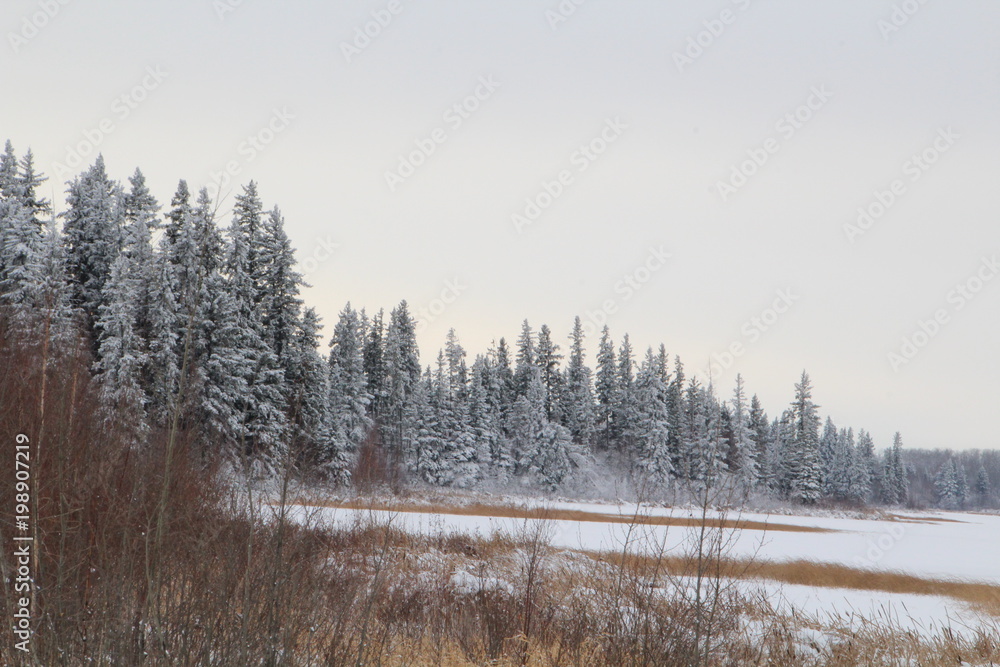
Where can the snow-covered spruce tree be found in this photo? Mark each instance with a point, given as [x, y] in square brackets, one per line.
[894, 481]
[178, 300]
[504, 393]
[427, 441]
[457, 370]
[777, 471]
[262, 430]
[280, 285]
[540, 448]
[525, 359]
[553, 465]
[53, 303]
[374, 362]
[498, 383]
[21, 247]
[28, 181]
[308, 387]
[663, 364]
[164, 346]
[703, 446]
[760, 431]
[961, 483]
[547, 359]
[484, 419]
[402, 369]
[743, 458]
[348, 387]
[946, 485]
[124, 326]
[122, 355]
[22, 234]
[8, 172]
[649, 424]
[677, 409]
[827, 453]
[863, 468]
[983, 487]
[623, 415]
[606, 390]
[693, 422]
[92, 233]
[578, 397]
[843, 465]
[805, 476]
[178, 215]
[455, 462]
[527, 420]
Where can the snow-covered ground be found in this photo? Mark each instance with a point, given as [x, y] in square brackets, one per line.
[933, 545]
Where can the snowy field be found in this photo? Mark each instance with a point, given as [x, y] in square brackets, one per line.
[950, 546]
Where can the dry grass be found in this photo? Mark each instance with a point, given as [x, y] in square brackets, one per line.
[921, 519]
[982, 596]
[546, 514]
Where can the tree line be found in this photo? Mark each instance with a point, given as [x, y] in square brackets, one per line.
[191, 325]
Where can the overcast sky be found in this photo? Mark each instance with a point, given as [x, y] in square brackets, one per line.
[697, 168]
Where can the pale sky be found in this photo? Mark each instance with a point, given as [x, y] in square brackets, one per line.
[841, 102]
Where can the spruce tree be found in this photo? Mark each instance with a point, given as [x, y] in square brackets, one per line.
[827, 454]
[402, 367]
[310, 416]
[547, 359]
[374, 362]
[622, 416]
[165, 344]
[262, 427]
[983, 485]
[280, 285]
[760, 435]
[92, 232]
[946, 485]
[348, 387]
[744, 456]
[525, 360]
[578, 398]
[178, 216]
[122, 357]
[805, 477]
[863, 471]
[606, 389]
[649, 427]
